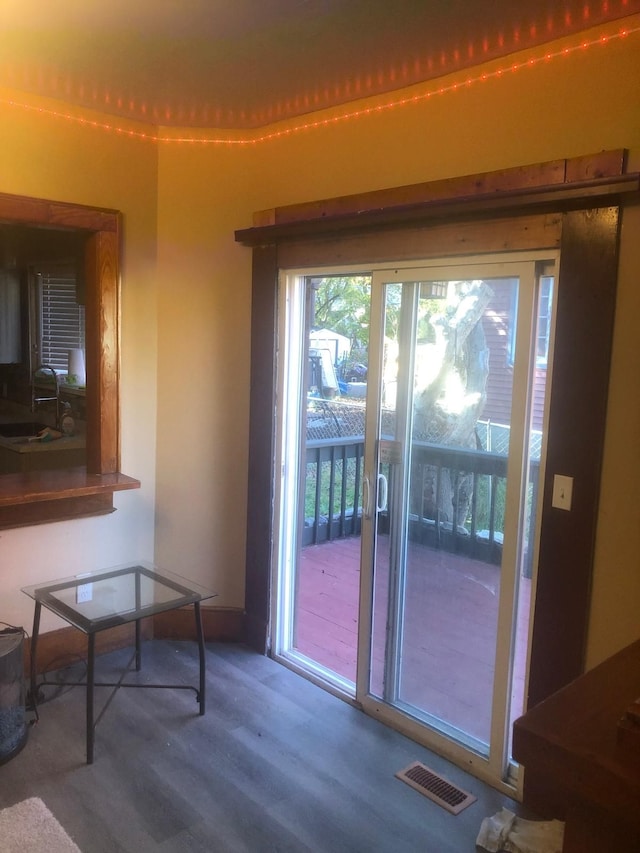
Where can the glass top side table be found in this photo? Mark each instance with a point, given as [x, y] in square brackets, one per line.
[95, 601]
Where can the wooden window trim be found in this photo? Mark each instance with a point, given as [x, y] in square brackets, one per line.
[44, 496]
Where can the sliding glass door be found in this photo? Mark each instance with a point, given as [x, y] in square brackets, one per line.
[410, 462]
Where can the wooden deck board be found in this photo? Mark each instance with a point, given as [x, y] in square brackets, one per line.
[450, 627]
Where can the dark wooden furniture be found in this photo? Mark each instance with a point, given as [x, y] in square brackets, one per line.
[579, 766]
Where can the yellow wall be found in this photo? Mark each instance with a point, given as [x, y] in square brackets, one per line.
[48, 157]
[204, 303]
[186, 320]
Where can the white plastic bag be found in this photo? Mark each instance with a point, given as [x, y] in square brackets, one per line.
[504, 832]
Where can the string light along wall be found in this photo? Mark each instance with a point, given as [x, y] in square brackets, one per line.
[432, 90]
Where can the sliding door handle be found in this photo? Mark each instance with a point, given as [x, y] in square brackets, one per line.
[366, 497]
[383, 493]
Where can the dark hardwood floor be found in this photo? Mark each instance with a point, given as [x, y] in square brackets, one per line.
[276, 764]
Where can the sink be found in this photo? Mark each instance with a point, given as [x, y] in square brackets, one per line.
[20, 430]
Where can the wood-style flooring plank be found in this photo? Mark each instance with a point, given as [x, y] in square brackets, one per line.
[275, 764]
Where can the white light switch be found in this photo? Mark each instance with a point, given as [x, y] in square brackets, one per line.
[84, 592]
[562, 491]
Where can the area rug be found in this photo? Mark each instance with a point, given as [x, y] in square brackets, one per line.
[29, 827]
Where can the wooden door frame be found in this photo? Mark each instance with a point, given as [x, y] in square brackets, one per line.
[577, 216]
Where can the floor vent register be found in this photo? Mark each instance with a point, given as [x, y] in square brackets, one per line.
[436, 787]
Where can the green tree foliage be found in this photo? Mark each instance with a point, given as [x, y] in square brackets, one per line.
[342, 305]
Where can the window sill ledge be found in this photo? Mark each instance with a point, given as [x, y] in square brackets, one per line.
[41, 497]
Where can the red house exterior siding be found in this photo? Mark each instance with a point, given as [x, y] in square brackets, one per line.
[497, 323]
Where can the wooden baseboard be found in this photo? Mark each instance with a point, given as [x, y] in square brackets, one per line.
[219, 624]
[57, 649]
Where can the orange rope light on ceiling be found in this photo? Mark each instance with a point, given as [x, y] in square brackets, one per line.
[254, 138]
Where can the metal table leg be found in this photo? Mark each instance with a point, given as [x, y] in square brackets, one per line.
[201, 694]
[34, 650]
[138, 604]
[90, 690]
[138, 647]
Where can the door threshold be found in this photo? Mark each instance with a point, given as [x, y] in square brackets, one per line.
[314, 672]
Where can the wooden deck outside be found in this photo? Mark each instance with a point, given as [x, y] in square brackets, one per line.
[451, 606]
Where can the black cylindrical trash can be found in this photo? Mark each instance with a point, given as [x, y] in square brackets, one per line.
[13, 724]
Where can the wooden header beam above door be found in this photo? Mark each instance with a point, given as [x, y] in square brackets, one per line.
[558, 184]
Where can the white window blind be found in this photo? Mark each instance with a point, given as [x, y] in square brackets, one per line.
[61, 319]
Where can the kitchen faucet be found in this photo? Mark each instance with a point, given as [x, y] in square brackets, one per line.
[36, 400]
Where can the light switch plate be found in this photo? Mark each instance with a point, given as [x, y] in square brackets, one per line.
[562, 492]
[84, 592]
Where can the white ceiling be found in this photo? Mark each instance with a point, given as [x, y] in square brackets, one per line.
[245, 63]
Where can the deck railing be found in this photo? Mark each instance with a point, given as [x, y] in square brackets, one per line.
[446, 484]
[334, 488]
